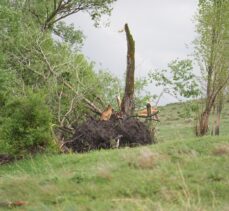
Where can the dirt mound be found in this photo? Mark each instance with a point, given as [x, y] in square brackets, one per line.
[96, 134]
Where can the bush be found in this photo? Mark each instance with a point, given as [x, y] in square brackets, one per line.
[25, 126]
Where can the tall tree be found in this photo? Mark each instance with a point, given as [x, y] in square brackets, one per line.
[212, 51]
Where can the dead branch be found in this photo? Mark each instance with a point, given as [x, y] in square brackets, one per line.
[68, 112]
[59, 105]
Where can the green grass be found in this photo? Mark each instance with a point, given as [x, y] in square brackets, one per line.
[177, 121]
[181, 172]
[177, 175]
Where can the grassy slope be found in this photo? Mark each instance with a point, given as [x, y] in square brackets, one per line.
[176, 122]
[182, 174]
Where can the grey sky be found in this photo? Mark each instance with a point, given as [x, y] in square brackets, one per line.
[162, 30]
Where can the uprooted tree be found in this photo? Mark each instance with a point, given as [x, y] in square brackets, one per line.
[119, 128]
[34, 64]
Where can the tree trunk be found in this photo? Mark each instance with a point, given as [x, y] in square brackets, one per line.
[202, 125]
[202, 128]
[213, 121]
[219, 110]
[127, 105]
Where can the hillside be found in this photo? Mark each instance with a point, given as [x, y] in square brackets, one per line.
[181, 172]
[178, 121]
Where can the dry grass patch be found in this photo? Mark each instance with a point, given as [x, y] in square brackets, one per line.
[169, 195]
[145, 159]
[104, 172]
[221, 150]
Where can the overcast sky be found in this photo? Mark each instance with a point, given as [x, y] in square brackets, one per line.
[162, 29]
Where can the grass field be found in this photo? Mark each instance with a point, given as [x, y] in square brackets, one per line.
[181, 172]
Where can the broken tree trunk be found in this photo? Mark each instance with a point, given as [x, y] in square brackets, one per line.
[127, 105]
[149, 121]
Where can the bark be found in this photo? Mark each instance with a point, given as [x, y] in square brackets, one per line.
[127, 105]
[213, 122]
[202, 128]
[219, 110]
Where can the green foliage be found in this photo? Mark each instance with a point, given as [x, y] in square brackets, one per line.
[108, 88]
[6, 86]
[211, 46]
[41, 63]
[69, 35]
[33, 61]
[26, 125]
[142, 95]
[190, 108]
[178, 79]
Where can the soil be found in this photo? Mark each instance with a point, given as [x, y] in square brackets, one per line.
[96, 134]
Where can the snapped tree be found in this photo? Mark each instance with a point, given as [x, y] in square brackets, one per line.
[127, 105]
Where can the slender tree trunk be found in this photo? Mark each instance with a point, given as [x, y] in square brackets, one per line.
[127, 105]
[213, 122]
[219, 110]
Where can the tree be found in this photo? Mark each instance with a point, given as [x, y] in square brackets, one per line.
[30, 59]
[212, 53]
[38, 60]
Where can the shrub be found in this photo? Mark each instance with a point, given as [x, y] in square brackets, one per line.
[25, 126]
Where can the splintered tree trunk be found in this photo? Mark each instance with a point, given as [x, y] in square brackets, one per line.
[149, 121]
[127, 105]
